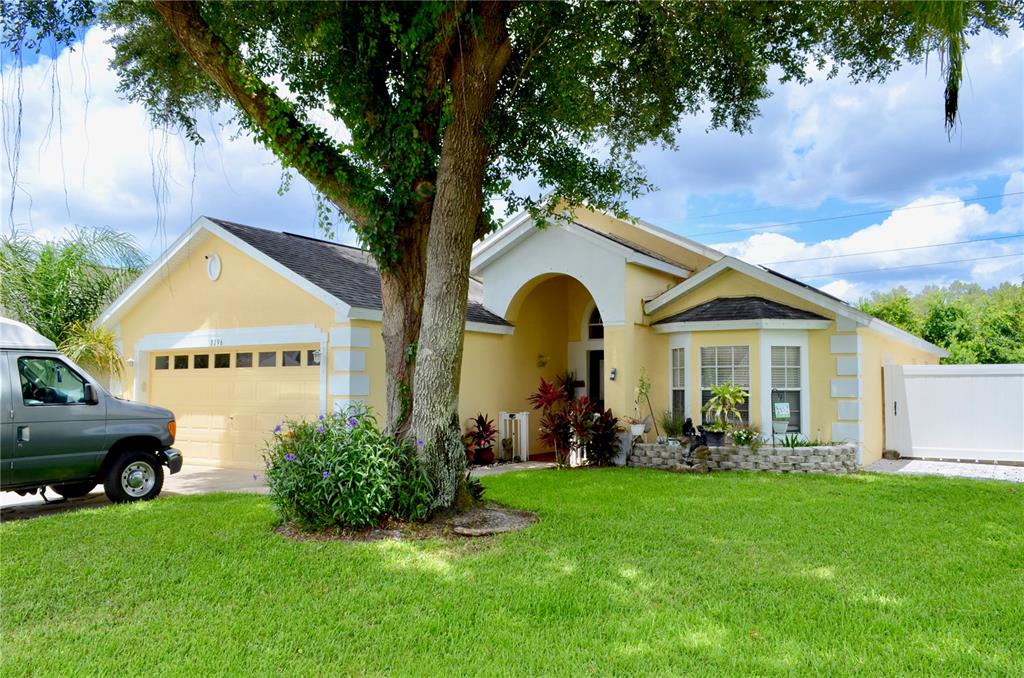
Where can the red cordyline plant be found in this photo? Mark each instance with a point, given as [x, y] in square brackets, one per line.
[564, 422]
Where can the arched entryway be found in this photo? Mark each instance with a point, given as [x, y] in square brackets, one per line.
[558, 332]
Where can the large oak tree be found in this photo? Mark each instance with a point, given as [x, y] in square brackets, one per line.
[446, 105]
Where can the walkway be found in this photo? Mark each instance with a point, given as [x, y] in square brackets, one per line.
[951, 469]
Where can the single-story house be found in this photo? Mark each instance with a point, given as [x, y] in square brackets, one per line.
[236, 327]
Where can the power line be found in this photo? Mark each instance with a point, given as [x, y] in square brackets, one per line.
[896, 249]
[900, 268]
[852, 215]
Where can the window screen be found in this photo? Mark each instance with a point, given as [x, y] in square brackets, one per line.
[678, 380]
[786, 382]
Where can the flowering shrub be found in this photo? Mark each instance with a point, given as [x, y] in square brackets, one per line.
[343, 471]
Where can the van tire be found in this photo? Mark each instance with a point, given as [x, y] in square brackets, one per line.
[74, 490]
[134, 476]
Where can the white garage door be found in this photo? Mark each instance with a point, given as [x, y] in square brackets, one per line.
[228, 401]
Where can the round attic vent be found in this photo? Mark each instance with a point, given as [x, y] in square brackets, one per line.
[213, 266]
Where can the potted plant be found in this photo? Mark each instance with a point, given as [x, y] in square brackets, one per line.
[636, 426]
[723, 410]
[673, 423]
[481, 435]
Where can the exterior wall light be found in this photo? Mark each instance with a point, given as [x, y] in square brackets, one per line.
[612, 374]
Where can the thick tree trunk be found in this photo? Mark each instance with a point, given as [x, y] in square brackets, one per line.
[402, 296]
[457, 206]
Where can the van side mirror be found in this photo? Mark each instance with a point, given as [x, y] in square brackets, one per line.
[90, 395]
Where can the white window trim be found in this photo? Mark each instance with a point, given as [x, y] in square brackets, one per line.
[769, 338]
[682, 340]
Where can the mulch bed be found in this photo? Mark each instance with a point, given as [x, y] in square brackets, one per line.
[483, 520]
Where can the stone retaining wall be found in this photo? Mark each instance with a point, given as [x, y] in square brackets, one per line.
[832, 459]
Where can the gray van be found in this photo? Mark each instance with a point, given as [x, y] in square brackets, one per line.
[61, 429]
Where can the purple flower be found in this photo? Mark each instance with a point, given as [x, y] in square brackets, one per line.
[321, 417]
[255, 477]
[277, 429]
[326, 474]
[320, 429]
[290, 457]
[420, 443]
[353, 422]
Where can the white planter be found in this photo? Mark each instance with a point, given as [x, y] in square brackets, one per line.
[637, 429]
[780, 426]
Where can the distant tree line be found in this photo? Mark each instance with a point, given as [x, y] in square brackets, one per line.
[976, 325]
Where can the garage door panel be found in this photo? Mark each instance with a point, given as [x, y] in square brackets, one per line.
[225, 415]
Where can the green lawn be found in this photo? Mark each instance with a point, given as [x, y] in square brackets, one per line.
[628, 572]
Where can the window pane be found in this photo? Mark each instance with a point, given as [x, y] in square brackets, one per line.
[679, 400]
[181, 362]
[313, 357]
[268, 358]
[243, 360]
[678, 368]
[201, 361]
[162, 362]
[291, 358]
[222, 360]
[47, 381]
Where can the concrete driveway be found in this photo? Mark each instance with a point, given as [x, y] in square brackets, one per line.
[190, 480]
[950, 469]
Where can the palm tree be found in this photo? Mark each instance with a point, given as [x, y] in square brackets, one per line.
[59, 287]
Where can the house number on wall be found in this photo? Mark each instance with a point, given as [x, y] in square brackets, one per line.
[216, 342]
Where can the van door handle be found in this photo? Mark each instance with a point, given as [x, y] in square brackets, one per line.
[24, 434]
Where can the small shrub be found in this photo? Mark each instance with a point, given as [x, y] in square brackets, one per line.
[604, 439]
[673, 423]
[791, 440]
[475, 488]
[747, 436]
[342, 471]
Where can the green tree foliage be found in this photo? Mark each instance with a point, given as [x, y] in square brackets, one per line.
[59, 287]
[975, 325]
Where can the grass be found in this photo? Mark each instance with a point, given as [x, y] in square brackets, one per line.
[628, 572]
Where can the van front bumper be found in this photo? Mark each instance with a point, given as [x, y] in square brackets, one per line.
[174, 459]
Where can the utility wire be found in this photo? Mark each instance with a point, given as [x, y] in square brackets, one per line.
[896, 249]
[851, 216]
[900, 268]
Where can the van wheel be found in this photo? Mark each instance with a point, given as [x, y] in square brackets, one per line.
[74, 490]
[134, 476]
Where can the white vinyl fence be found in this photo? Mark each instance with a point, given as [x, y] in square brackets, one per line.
[971, 412]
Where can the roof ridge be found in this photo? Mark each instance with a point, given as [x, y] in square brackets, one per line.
[221, 221]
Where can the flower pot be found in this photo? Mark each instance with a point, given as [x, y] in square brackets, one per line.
[485, 456]
[780, 426]
[637, 429]
[715, 438]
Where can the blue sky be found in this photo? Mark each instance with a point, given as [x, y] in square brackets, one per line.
[825, 150]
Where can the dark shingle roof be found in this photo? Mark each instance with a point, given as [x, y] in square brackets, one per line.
[348, 273]
[740, 308]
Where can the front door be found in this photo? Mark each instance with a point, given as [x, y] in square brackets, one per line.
[595, 378]
[57, 434]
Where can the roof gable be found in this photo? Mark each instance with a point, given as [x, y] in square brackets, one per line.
[344, 277]
[796, 288]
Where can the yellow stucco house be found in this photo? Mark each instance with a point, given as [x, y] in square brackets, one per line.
[235, 328]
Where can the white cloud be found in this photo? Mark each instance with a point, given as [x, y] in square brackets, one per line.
[869, 142]
[98, 161]
[931, 220]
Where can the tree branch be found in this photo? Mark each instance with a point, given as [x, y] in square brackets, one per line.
[297, 143]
